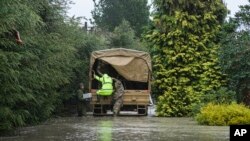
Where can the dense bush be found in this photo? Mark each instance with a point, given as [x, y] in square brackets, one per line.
[42, 72]
[224, 114]
[221, 96]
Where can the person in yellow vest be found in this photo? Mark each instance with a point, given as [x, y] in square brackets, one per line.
[107, 87]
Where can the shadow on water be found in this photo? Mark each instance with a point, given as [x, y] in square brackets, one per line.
[123, 128]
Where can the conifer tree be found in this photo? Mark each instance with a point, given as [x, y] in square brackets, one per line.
[109, 14]
[184, 51]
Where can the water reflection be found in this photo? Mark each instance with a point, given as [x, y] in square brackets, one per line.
[121, 129]
[105, 130]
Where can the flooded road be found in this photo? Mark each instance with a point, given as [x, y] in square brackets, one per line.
[122, 128]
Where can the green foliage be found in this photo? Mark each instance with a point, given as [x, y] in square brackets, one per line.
[221, 96]
[234, 58]
[38, 75]
[123, 36]
[243, 17]
[235, 54]
[184, 51]
[109, 14]
[89, 43]
[224, 114]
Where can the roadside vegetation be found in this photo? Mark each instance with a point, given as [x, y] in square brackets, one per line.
[200, 61]
[224, 114]
[185, 53]
[234, 58]
[40, 72]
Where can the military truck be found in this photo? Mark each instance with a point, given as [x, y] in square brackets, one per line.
[133, 69]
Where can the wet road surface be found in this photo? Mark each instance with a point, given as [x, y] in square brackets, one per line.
[122, 128]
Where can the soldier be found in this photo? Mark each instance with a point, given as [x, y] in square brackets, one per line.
[118, 96]
[81, 103]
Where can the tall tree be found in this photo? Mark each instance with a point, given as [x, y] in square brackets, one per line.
[184, 38]
[235, 53]
[108, 14]
[124, 36]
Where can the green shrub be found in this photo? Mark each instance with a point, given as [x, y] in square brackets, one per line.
[221, 96]
[223, 114]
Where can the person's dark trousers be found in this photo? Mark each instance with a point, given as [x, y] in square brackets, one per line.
[80, 108]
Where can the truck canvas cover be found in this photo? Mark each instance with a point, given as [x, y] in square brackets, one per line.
[131, 64]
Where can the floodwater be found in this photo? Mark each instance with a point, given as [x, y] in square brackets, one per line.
[121, 128]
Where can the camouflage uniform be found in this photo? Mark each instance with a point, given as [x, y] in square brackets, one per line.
[118, 97]
[82, 104]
